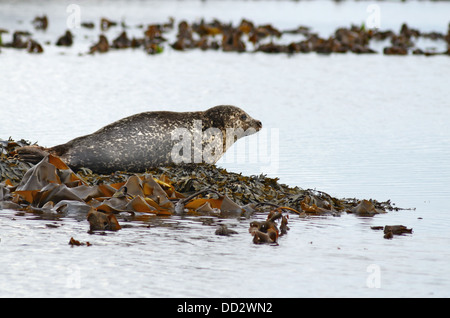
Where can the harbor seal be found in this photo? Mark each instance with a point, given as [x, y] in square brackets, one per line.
[152, 139]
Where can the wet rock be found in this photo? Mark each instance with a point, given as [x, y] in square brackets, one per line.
[223, 230]
[65, 40]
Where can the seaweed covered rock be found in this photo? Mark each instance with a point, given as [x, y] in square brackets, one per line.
[195, 188]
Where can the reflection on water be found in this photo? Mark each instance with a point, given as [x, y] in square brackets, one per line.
[352, 126]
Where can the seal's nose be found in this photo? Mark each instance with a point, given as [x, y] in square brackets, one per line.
[259, 124]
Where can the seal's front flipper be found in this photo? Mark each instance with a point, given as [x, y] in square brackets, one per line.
[32, 154]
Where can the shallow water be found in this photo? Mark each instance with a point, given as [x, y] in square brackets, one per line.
[350, 125]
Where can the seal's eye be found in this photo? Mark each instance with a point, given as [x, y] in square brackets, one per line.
[244, 117]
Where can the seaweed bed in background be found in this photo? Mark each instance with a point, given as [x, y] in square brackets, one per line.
[217, 35]
[51, 187]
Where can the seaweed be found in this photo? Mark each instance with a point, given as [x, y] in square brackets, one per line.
[245, 37]
[52, 187]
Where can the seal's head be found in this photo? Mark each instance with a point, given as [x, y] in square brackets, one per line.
[227, 116]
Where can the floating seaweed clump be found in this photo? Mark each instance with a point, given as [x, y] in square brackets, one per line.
[52, 187]
[391, 230]
[268, 231]
[18, 42]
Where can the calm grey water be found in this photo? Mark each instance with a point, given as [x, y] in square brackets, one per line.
[353, 126]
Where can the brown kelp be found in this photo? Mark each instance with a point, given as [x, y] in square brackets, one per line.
[243, 37]
[51, 189]
[163, 191]
[390, 230]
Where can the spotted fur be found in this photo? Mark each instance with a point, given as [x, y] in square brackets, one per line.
[142, 141]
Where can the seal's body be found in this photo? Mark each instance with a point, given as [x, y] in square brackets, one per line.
[147, 140]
